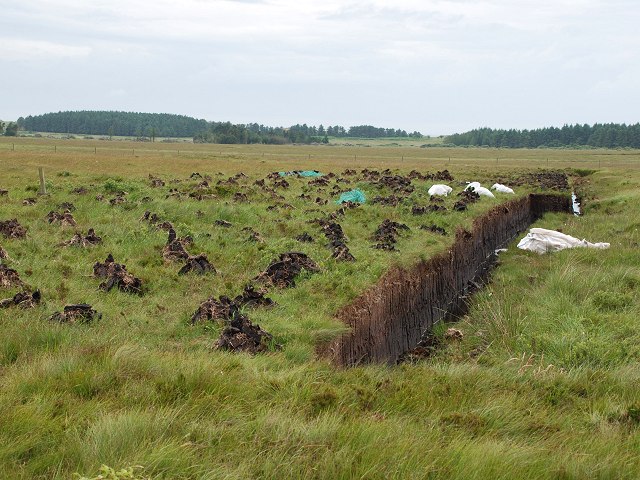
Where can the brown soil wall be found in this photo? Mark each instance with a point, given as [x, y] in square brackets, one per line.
[390, 318]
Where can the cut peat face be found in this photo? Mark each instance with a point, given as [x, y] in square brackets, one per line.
[390, 318]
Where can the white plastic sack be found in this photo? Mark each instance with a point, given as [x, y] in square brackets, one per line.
[541, 240]
[498, 187]
[442, 190]
[484, 191]
[479, 189]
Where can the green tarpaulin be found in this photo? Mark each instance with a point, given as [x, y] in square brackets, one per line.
[355, 196]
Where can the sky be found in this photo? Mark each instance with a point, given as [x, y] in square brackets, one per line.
[435, 66]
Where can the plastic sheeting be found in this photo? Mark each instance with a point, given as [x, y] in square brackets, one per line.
[541, 240]
[442, 190]
[301, 173]
[498, 187]
[355, 196]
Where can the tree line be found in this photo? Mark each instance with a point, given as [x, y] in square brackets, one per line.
[226, 132]
[599, 135]
[128, 124]
[9, 129]
[151, 125]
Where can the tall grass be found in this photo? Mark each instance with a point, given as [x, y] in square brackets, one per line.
[543, 384]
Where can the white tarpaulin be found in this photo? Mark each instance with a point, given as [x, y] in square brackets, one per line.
[498, 187]
[442, 190]
[541, 240]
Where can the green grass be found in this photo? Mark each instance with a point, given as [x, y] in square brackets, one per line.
[543, 385]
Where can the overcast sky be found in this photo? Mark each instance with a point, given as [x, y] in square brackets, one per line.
[440, 66]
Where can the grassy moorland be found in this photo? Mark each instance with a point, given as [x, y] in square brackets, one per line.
[334, 141]
[542, 385]
[35, 151]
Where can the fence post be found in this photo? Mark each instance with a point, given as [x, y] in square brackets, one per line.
[43, 186]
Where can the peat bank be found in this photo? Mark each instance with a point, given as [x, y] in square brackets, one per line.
[390, 318]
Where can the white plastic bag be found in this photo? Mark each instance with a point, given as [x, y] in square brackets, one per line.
[541, 240]
[498, 187]
[476, 187]
[484, 191]
[442, 190]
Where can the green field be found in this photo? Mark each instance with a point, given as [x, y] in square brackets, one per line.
[542, 385]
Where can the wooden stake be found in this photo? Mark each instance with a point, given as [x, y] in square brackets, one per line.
[43, 186]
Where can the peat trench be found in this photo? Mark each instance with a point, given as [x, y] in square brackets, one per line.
[390, 318]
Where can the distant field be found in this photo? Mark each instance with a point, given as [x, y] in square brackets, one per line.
[363, 142]
[386, 142]
[542, 384]
[87, 137]
[299, 156]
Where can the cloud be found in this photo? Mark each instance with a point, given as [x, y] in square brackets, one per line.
[17, 49]
[413, 64]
